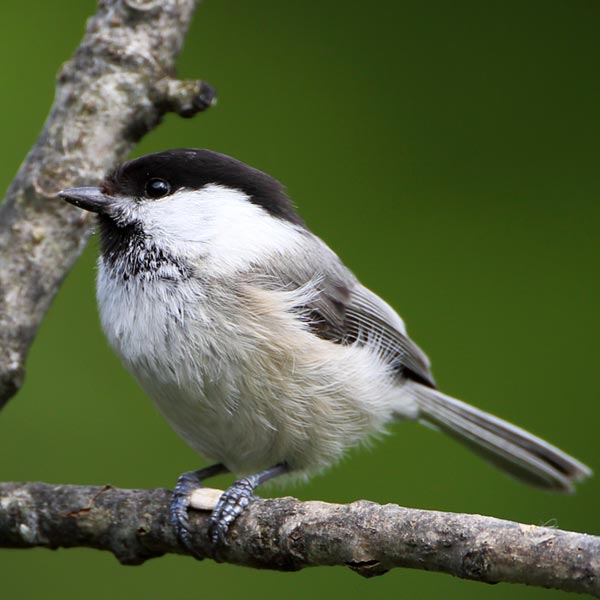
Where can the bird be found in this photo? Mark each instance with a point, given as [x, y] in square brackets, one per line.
[256, 343]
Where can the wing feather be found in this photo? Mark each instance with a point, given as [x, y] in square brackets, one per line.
[342, 310]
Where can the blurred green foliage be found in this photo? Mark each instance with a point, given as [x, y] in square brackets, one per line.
[449, 152]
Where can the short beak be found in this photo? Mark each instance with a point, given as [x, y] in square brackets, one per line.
[88, 198]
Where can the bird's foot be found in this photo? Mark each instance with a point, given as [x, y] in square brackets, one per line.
[180, 502]
[231, 505]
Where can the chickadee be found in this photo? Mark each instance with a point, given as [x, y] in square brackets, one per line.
[259, 347]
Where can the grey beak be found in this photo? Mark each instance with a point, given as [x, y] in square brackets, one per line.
[88, 198]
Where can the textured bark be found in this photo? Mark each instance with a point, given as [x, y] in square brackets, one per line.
[116, 87]
[287, 535]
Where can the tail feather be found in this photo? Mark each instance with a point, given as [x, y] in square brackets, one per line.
[507, 446]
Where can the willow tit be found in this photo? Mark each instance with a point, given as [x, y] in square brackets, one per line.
[259, 347]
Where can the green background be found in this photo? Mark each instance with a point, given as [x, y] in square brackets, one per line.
[448, 151]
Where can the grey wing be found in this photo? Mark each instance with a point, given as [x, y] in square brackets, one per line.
[345, 312]
[370, 319]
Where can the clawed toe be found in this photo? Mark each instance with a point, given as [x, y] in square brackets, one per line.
[179, 511]
[231, 505]
[180, 502]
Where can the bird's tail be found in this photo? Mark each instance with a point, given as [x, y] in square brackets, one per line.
[510, 448]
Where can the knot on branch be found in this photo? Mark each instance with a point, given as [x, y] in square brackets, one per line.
[476, 564]
[185, 98]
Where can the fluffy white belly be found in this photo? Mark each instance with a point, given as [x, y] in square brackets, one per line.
[250, 391]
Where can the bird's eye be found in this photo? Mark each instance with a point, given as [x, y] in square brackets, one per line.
[157, 188]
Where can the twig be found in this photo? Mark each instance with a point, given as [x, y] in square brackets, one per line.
[114, 90]
[285, 534]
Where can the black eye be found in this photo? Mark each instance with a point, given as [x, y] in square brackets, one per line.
[157, 188]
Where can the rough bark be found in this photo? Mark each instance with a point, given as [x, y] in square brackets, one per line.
[287, 535]
[115, 88]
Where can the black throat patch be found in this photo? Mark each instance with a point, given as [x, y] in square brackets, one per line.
[129, 253]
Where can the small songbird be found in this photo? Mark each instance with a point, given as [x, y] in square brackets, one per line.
[259, 347]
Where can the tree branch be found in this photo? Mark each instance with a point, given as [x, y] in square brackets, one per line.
[287, 535]
[114, 90]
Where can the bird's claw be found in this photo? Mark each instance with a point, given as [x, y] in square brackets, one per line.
[180, 503]
[231, 505]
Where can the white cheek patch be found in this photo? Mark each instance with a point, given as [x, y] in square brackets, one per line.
[219, 224]
[183, 217]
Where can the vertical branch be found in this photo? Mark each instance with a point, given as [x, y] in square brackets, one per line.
[114, 90]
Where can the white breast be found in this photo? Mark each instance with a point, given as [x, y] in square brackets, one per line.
[239, 377]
